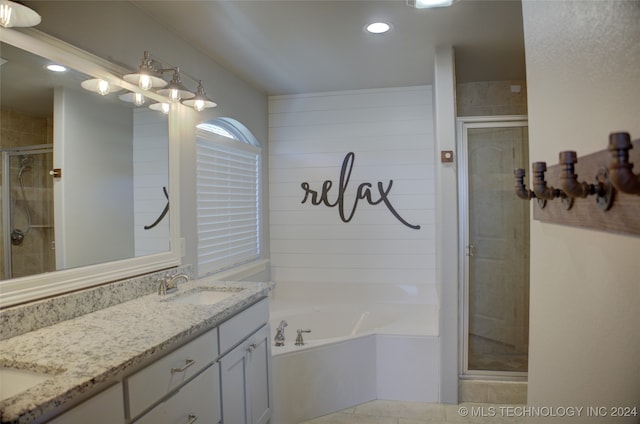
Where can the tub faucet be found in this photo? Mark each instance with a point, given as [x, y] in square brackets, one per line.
[169, 284]
[299, 340]
[279, 339]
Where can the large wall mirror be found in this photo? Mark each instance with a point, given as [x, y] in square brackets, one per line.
[86, 179]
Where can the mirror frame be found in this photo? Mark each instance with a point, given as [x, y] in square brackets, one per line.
[26, 289]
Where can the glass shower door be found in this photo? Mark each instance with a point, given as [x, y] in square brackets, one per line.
[27, 212]
[496, 265]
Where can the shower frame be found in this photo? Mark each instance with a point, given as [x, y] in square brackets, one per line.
[466, 250]
[7, 154]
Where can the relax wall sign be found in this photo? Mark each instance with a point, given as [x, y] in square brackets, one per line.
[364, 191]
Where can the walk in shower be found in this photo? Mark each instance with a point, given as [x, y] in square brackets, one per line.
[495, 236]
[27, 211]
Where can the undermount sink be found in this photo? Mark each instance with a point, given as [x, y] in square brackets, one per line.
[14, 381]
[203, 296]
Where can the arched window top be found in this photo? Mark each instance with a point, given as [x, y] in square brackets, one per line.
[231, 128]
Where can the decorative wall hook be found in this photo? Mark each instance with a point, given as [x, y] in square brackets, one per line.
[521, 189]
[572, 187]
[620, 168]
[542, 191]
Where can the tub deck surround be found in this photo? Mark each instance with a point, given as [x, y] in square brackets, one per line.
[356, 352]
[88, 352]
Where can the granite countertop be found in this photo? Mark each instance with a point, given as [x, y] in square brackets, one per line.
[88, 352]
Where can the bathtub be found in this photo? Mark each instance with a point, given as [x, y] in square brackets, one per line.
[354, 353]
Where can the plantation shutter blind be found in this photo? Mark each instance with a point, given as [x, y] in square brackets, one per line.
[227, 203]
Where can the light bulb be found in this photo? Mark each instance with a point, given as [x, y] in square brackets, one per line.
[198, 105]
[165, 108]
[174, 94]
[5, 15]
[145, 82]
[103, 87]
[138, 99]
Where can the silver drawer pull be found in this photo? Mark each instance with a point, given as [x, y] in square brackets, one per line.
[192, 418]
[187, 364]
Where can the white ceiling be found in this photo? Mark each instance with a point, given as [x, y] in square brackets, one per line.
[302, 46]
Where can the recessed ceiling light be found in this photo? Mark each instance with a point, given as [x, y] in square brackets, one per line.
[425, 4]
[56, 68]
[378, 27]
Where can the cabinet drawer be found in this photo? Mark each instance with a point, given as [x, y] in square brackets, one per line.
[106, 407]
[240, 326]
[155, 381]
[199, 400]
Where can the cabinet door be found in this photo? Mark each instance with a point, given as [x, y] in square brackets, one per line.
[259, 377]
[198, 400]
[245, 381]
[233, 367]
[106, 407]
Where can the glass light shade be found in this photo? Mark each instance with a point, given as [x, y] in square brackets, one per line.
[136, 98]
[100, 86]
[200, 101]
[14, 14]
[161, 107]
[145, 81]
[176, 90]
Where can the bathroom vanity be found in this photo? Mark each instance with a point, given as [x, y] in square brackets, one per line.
[200, 354]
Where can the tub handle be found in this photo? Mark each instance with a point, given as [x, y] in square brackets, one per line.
[299, 340]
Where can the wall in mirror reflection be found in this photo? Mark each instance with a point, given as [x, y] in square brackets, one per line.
[114, 162]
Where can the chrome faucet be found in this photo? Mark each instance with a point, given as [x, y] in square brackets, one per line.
[299, 340]
[169, 284]
[279, 339]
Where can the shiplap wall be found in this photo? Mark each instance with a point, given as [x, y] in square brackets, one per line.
[150, 173]
[391, 134]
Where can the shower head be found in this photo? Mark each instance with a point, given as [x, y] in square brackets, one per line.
[25, 164]
[26, 161]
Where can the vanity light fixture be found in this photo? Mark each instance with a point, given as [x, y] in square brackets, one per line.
[136, 98]
[427, 4]
[150, 77]
[200, 101]
[100, 86]
[13, 14]
[176, 91]
[161, 107]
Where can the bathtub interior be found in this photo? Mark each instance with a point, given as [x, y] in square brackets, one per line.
[329, 321]
[364, 345]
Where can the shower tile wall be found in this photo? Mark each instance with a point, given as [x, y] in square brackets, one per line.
[19, 130]
[491, 98]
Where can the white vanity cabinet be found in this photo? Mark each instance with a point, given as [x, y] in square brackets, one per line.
[107, 407]
[220, 377]
[245, 369]
[197, 400]
[159, 379]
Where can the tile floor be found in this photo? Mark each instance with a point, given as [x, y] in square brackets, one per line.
[394, 412]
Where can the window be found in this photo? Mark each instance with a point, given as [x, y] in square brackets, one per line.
[228, 197]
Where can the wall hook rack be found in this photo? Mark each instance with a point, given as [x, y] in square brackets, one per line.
[572, 187]
[522, 191]
[615, 186]
[543, 191]
[620, 168]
